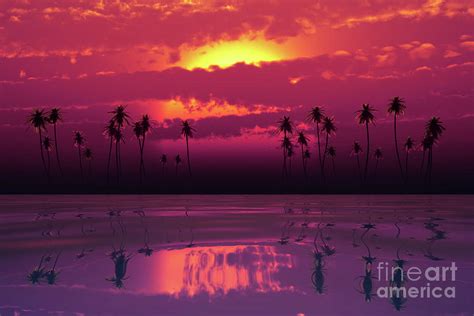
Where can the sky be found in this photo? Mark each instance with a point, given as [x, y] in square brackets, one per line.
[234, 68]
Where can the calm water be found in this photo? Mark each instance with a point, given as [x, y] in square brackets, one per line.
[234, 255]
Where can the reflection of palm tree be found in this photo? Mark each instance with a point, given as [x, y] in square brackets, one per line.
[38, 121]
[397, 278]
[48, 146]
[397, 107]
[434, 128]
[316, 115]
[79, 142]
[366, 116]
[188, 132]
[37, 274]
[303, 141]
[409, 145]
[378, 155]
[109, 132]
[88, 155]
[163, 160]
[177, 161]
[52, 274]
[366, 283]
[328, 127]
[55, 116]
[120, 259]
[356, 150]
[332, 153]
[285, 126]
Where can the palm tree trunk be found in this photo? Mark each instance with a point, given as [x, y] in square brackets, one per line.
[303, 160]
[376, 165]
[333, 166]
[142, 161]
[90, 168]
[187, 154]
[422, 162]
[406, 167]
[176, 169]
[117, 161]
[358, 166]
[80, 161]
[428, 167]
[285, 171]
[56, 148]
[324, 156]
[367, 153]
[49, 161]
[289, 167]
[108, 161]
[396, 144]
[42, 154]
[319, 148]
[431, 164]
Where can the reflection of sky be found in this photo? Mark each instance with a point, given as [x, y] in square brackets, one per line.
[218, 270]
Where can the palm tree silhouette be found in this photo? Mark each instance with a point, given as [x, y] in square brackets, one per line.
[138, 132]
[48, 146]
[328, 127]
[366, 116]
[177, 161]
[290, 152]
[120, 119]
[37, 274]
[88, 155]
[285, 126]
[52, 274]
[109, 132]
[397, 107]
[79, 142]
[316, 115]
[54, 118]
[118, 138]
[356, 150]
[303, 141]
[188, 132]
[38, 121]
[332, 153]
[146, 128]
[163, 160]
[378, 155]
[434, 128]
[426, 143]
[409, 146]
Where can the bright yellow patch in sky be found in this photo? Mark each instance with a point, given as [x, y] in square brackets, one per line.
[227, 53]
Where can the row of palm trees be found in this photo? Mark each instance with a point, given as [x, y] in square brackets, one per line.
[113, 131]
[324, 124]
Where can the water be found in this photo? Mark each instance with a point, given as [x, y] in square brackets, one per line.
[232, 255]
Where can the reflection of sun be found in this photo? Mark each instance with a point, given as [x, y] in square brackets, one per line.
[227, 53]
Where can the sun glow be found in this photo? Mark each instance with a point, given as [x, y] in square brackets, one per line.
[227, 53]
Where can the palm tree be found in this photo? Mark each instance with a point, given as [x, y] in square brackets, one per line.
[48, 146]
[332, 153]
[188, 132]
[426, 143]
[109, 132]
[138, 132]
[316, 115]
[397, 107]
[366, 116]
[79, 142]
[303, 141]
[163, 160]
[285, 126]
[38, 120]
[146, 127]
[434, 128]
[120, 118]
[118, 138]
[88, 155]
[54, 118]
[290, 152]
[328, 127]
[378, 155]
[177, 161]
[409, 146]
[356, 150]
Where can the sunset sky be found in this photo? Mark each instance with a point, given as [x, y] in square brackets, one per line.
[234, 68]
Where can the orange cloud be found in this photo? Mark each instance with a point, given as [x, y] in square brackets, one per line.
[424, 51]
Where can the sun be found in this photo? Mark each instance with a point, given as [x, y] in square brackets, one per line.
[227, 53]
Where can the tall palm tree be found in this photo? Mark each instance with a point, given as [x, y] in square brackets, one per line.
[79, 142]
[138, 132]
[366, 116]
[118, 139]
[146, 127]
[397, 107]
[434, 128]
[38, 121]
[163, 160]
[332, 153]
[177, 161]
[285, 126]
[316, 115]
[356, 150]
[378, 155]
[48, 146]
[303, 141]
[109, 132]
[426, 143]
[188, 132]
[290, 152]
[120, 118]
[88, 155]
[329, 128]
[409, 146]
[55, 116]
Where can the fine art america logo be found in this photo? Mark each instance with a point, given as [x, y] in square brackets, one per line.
[431, 279]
